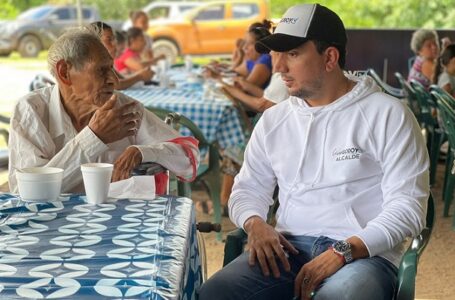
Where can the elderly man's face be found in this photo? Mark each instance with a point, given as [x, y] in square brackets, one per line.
[96, 80]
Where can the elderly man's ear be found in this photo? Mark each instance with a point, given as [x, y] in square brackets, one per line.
[63, 72]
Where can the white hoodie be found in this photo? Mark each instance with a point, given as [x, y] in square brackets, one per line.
[356, 167]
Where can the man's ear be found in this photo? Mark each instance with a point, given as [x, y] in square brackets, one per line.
[63, 72]
[332, 57]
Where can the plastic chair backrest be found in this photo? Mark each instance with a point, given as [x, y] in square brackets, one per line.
[408, 267]
[411, 96]
[446, 110]
[393, 91]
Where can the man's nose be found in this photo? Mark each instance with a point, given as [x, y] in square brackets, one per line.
[280, 63]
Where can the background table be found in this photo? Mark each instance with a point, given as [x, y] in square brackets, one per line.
[128, 249]
[216, 117]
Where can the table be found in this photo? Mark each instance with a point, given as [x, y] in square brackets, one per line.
[125, 249]
[217, 118]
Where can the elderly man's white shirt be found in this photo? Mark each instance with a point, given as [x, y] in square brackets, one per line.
[42, 134]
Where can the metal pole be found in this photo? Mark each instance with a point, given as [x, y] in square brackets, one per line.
[79, 12]
[385, 70]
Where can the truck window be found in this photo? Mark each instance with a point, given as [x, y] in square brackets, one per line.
[184, 8]
[159, 12]
[214, 12]
[63, 14]
[244, 10]
[86, 13]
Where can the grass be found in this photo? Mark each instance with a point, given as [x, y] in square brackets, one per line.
[18, 62]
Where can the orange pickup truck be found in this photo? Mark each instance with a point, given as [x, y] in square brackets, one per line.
[211, 28]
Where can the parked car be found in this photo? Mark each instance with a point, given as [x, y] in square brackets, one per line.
[211, 28]
[37, 28]
[159, 11]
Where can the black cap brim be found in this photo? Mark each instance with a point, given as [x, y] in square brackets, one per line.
[279, 42]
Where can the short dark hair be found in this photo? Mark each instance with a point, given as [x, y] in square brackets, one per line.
[100, 26]
[321, 46]
[133, 33]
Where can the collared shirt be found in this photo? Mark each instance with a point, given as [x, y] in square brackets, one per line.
[42, 134]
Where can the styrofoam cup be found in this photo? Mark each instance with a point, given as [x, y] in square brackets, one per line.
[97, 178]
[39, 183]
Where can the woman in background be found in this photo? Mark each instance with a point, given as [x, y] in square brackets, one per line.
[425, 45]
[445, 71]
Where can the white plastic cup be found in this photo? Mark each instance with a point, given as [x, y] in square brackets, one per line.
[39, 183]
[188, 64]
[97, 178]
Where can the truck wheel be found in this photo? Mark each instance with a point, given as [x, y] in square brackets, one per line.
[29, 46]
[5, 53]
[166, 47]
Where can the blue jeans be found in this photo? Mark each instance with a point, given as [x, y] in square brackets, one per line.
[369, 278]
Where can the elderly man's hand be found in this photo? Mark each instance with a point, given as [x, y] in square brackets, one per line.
[125, 163]
[267, 246]
[112, 122]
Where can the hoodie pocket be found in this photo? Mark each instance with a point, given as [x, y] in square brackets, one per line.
[336, 220]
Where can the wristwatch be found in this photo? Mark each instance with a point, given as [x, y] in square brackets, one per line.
[343, 249]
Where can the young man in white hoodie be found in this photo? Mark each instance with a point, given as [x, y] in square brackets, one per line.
[352, 171]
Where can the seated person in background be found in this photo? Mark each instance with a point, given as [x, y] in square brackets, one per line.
[425, 45]
[130, 60]
[120, 37]
[109, 41]
[81, 119]
[139, 19]
[352, 169]
[256, 68]
[253, 96]
[445, 70]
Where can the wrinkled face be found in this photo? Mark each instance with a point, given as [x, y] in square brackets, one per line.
[248, 47]
[430, 49]
[109, 41]
[302, 70]
[95, 82]
[142, 22]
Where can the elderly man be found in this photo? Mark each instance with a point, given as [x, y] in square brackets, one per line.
[352, 171]
[82, 119]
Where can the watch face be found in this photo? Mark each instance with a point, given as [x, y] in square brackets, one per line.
[342, 246]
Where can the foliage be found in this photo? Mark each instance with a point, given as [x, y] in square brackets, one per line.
[384, 13]
[355, 14]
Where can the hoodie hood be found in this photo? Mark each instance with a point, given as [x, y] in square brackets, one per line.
[365, 86]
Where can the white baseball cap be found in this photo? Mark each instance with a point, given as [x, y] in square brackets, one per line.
[301, 23]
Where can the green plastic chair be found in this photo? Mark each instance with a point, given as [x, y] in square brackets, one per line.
[411, 97]
[392, 91]
[236, 241]
[207, 173]
[446, 106]
[435, 134]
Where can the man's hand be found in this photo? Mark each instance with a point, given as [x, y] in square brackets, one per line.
[112, 122]
[314, 272]
[267, 246]
[125, 163]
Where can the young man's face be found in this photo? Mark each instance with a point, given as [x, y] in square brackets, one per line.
[302, 69]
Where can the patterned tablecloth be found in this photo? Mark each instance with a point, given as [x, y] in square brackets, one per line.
[215, 115]
[128, 249]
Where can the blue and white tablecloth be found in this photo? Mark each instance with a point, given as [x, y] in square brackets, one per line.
[216, 117]
[128, 249]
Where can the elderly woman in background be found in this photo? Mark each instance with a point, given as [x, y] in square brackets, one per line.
[425, 45]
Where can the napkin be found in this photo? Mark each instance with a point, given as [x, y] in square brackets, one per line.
[135, 187]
